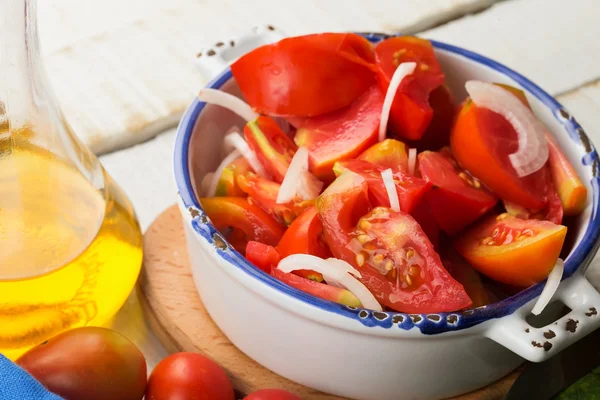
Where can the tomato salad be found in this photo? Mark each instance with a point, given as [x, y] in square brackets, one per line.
[359, 180]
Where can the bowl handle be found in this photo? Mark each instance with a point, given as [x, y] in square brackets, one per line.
[539, 344]
[213, 60]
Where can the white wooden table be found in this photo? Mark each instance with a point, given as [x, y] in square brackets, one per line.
[124, 71]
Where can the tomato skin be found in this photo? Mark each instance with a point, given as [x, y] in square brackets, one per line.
[227, 185]
[184, 376]
[411, 113]
[520, 262]
[272, 394]
[238, 212]
[317, 289]
[437, 134]
[456, 199]
[389, 153]
[88, 363]
[411, 190]
[273, 148]
[466, 275]
[341, 135]
[290, 77]
[426, 220]
[263, 256]
[305, 236]
[481, 141]
[264, 193]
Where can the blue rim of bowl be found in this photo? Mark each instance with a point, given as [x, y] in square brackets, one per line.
[426, 323]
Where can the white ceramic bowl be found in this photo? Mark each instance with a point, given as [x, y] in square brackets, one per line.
[382, 355]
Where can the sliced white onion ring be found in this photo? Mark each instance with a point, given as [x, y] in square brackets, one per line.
[333, 270]
[212, 189]
[412, 161]
[390, 188]
[228, 101]
[205, 184]
[550, 288]
[532, 152]
[236, 141]
[401, 72]
[298, 181]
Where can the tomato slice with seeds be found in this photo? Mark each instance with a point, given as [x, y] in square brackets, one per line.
[389, 153]
[482, 141]
[511, 250]
[305, 236]
[411, 113]
[264, 193]
[306, 75]
[341, 135]
[410, 189]
[396, 260]
[238, 213]
[321, 290]
[262, 255]
[273, 148]
[456, 198]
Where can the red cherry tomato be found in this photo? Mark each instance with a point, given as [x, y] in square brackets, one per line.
[341, 135]
[456, 199]
[273, 148]
[263, 256]
[238, 213]
[411, 113]
[185, 376]
[410, 189]
[306, 75]
[272, 394]
[396, 260]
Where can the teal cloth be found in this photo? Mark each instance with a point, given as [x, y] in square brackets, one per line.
[16, 384]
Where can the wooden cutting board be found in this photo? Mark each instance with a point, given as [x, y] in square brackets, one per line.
[177, 316]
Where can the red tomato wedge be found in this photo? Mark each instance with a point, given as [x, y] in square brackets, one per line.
[273, 148]
[321, 290]
[411, 113]
[456, 198]
[410, 189]
[389, 153]
[341, 135]
[264, 193]
[511, 250]
[238, 213]
[265, 257]
[396, 260]
[437, 134]
[305, 236]
[306, 75]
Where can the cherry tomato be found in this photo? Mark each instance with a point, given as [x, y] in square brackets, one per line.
[410, 189]
[305, 236]
[306, 75]
[389, 153]
[264, 193]
[411, 113]
[511, 250]
[263, 256]
[481, 141]
[88, 364]
[227, 185]
[321, 290]
[272, 394]
[273, 148]
[466, 275]
[437, 134]
[456, 198]
[238, 213]
[341, 135]
[396, 260]
[571, 191]
[186, 376]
